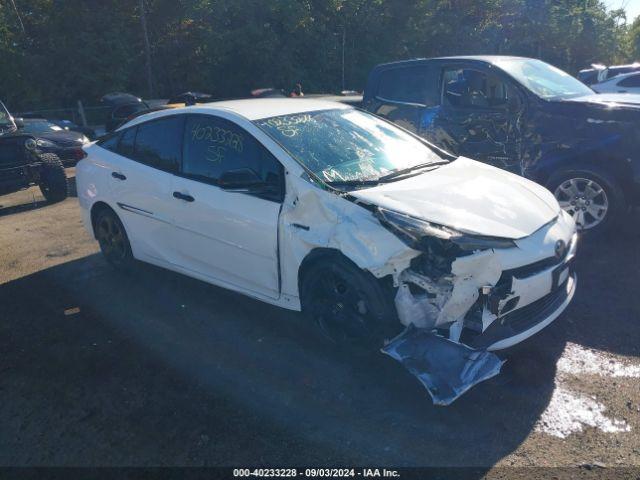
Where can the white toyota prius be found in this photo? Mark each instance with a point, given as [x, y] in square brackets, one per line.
[316, 206]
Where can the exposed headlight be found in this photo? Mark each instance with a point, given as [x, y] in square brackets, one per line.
[30, 144]
[413, 230]
[41, 142]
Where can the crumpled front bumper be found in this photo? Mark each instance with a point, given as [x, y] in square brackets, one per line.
[494, 299]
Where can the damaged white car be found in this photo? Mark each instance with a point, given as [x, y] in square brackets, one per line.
[316, 206]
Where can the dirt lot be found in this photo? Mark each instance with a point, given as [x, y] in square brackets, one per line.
[159, 369]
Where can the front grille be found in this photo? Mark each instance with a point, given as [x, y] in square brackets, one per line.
[527, 316]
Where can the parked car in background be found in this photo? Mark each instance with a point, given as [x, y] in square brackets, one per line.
[25, 162]
[525, 116]
[66, 144]
[314, 205]
[625, 83]
[123, 105]
[88, 132]
[601, 73]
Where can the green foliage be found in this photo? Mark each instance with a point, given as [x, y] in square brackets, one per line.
[81, 49]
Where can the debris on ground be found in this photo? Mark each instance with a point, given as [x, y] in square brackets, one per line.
[446, 369]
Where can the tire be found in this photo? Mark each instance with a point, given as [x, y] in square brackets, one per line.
[584, 193]
[53, 179]
[349, 305]
[113, 240]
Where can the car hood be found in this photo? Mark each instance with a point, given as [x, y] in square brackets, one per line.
[610, 99]
[471, 197]
[62, 138]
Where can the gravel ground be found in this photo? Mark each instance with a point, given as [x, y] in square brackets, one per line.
[156, 368]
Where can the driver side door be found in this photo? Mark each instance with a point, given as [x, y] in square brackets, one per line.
[480, 114]
[228, 237]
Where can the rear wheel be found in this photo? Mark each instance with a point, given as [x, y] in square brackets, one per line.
[593, 199]
[53, 179]
[348, 304]
[113, 240]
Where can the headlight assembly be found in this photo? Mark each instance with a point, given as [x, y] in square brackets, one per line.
[41, 142]
[413, 231]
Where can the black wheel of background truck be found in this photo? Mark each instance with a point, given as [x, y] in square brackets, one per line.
[113, 240]
[53, 179]
[348, 304]
[593, 198]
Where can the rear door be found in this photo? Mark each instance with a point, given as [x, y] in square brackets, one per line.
[479, 117]
[141, 171]
[227, 236]
[405, 95]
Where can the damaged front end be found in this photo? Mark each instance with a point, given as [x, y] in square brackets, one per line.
[460, 297]
[461, 284]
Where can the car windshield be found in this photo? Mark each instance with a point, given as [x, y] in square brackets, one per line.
[347, 145]
[543, 79]
[40, 127]
[5, 118]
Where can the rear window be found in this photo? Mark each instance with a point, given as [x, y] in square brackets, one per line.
[407, 84]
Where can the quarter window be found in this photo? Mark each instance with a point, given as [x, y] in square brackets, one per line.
[110, 141]
[213, 146]
[158, 143]
[127, 142]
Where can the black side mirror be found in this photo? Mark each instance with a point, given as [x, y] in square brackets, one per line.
[241, 180]
[19, 121]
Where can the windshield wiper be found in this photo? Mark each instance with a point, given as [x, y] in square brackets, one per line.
[353, 183]
[404, 171]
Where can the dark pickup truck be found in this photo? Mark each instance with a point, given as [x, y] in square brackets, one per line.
[525, 116]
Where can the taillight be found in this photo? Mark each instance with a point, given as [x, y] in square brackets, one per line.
[79, 153]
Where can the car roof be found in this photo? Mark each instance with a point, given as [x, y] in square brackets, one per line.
[250, 109]
[473, 58]
[258, 108]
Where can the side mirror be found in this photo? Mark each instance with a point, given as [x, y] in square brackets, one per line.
[19, 121]
[241, 180]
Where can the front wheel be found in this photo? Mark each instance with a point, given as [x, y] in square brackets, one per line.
[348, 304]
[53, 179]
[594, 199]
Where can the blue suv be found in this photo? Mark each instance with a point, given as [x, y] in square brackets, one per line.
[525, 116]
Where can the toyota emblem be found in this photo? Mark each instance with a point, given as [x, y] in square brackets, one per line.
[561, 248]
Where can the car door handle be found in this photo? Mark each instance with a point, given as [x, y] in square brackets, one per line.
[119, 176]
[182, 196]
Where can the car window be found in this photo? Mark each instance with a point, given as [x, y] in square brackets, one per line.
[110, 141]
[407, 84]
[468, 88]
[631, 81]
[159, 143]
[127, 142]
[213, 146]
[544, 80]
[347, 145]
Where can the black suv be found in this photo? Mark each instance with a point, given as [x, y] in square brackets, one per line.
[22, 164]
[525, 116]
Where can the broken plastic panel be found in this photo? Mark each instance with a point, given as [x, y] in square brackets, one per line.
[445, 368]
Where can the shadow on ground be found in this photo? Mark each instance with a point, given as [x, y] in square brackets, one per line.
[32, 199]
[160, 369]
